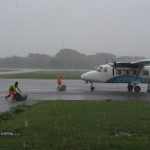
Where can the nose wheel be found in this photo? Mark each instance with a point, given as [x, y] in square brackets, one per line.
[92, 88]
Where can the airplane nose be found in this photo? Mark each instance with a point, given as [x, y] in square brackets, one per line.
[90, 76]
[86, 76]
[82, 76]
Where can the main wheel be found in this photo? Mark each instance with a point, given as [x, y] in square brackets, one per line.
[137, 88]
[130, 87]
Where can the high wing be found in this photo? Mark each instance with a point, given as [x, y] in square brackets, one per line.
[138, 66]
[131, 65]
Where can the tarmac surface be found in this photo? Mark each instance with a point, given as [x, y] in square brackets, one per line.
[76, 90]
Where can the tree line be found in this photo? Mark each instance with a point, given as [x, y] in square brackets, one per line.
[64, 59]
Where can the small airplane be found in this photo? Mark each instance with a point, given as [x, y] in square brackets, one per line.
[132, 73]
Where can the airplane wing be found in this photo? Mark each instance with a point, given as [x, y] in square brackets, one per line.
[138, 66]
[143, 62]
[132, 65]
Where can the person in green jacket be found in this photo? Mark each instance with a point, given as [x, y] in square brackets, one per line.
[12, 91]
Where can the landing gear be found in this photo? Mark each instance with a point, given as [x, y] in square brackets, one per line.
[92, 87]
[130, 87]
[137, 88]
[134, 86]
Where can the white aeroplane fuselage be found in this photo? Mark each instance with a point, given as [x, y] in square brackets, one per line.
[108, 74]
[104, 74]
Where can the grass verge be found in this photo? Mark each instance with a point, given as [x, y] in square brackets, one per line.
[79, 125]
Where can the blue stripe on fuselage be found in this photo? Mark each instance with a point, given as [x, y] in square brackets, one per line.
[126, 79]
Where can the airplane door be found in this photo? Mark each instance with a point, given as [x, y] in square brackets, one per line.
[104, 74]
[101, 77]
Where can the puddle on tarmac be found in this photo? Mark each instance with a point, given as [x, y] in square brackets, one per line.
[3, 133]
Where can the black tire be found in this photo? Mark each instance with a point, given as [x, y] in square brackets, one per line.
[130, 87]
[17, 97]
[62, 88]
[92, 88]
[137, 88]
[24, 97]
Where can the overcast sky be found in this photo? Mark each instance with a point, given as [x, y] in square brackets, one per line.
[121, 27]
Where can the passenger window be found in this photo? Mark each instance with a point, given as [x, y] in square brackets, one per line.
[118, 72]
[145, 73]
[126, 72]
[134, 72]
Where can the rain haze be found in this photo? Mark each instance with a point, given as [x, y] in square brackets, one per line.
[120, 27]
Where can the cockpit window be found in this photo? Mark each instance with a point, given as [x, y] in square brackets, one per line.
[99, 69]
[105, 70]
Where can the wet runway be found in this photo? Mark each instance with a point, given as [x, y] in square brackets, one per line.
[76, 90]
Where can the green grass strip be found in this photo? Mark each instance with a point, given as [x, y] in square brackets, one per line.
[80, 125]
